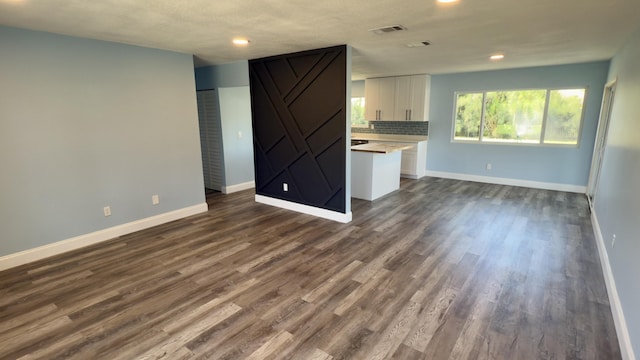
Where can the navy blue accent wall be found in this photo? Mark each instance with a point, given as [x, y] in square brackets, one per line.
[299, 109]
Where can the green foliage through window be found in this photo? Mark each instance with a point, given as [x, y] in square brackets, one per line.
[357, 112]
[520, 116]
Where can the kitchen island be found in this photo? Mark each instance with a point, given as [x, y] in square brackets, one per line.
[375, 169]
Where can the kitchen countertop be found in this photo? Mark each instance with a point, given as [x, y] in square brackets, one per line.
[380, 148]
[389, 137]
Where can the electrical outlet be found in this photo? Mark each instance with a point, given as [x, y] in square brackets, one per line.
[489, 166]
[239, 134]
[155, 200]
[371, 126]
[285, 186]
[107, 210]
[613, 241]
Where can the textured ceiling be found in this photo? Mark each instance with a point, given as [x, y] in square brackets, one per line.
[528, 32]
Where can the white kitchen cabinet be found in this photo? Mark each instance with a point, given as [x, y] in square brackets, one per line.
[409, 160]
[379, 99]
[413, 163]
[397, 98]
[420, 93]
[403, 98]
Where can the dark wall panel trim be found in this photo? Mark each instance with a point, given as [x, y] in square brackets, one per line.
[298, 104]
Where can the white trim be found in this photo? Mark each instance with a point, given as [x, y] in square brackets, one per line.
[305, 209]
[507, 181]
[622, 331]
[59, 247]
[238, 187]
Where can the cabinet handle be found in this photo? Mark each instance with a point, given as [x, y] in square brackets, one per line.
[406, 114]
[410, 114]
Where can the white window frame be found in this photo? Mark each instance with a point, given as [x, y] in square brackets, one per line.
[540, 142]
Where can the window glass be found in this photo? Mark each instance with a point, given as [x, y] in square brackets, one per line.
[514, 116]
[357, 112]
[519, 116]
[564, 115]
[468, 116]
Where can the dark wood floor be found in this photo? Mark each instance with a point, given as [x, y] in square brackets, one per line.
[442, 269]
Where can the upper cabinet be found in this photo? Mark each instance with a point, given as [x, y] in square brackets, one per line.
[380, 92]
[397, 98]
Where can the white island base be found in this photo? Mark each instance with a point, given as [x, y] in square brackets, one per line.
[374, 174]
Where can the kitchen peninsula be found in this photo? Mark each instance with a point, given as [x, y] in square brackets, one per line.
[375, 169]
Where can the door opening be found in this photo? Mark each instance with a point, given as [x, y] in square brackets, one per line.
[601, 141]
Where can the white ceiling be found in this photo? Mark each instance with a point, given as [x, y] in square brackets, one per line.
[528, 32]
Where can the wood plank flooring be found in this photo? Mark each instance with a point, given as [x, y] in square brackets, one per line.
[441, 269]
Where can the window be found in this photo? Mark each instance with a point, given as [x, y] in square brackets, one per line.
[357, 112]
[520, 116]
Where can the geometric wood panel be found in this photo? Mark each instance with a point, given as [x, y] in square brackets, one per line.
[298, 108]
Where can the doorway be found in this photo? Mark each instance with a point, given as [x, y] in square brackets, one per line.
[210, 142]
[601, 141]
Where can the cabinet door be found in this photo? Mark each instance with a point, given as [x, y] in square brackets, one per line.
[371, 99]
[403, 98]
[386, 103]
[408, 161]
[419, 109]
[408, 164]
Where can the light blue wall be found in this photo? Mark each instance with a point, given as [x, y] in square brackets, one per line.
[85, 124]
[617, 199]
[237, 134]
[226, 75]
[357, 88]
[548, 164]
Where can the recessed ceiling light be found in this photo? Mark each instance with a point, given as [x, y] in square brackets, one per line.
[496, 57]
[240, 42]
[447, 1]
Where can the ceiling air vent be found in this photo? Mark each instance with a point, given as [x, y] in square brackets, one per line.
[388, 29]
[418, 44]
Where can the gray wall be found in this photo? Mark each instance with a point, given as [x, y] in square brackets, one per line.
[85, 124]
[617, 199]
[226, 75]
[357, 88]
[550, 164]
[237, 135]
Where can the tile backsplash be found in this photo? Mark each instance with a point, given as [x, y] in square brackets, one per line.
[395, 128]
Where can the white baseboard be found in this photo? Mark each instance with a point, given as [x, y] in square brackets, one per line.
[409, 176]
[511, 182]
[238, 187]
[622, 331]
[41, 252]
[305, 209]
